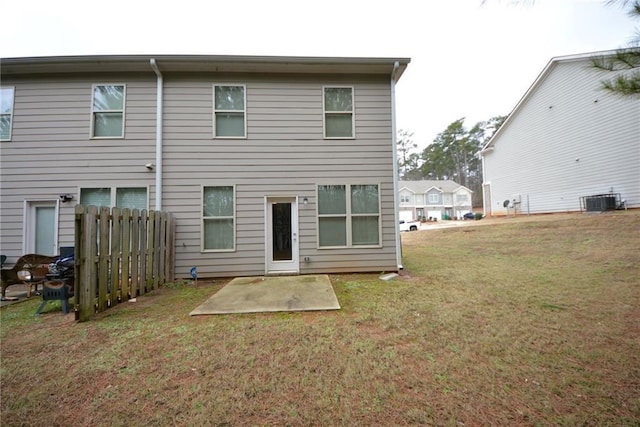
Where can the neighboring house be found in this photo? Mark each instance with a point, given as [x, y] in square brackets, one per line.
[433, 200]
[269, 164]
[565, 140]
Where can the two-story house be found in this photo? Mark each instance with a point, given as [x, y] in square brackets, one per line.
[268, 164]
[433, 200]
[566, 141]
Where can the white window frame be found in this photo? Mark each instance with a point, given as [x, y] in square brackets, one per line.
[348, 215]
[244, 111]
[93, 112]
[113, 192]
[436, 196]
[405, 198]
[352, 112]
[10, 114]
[203, 218]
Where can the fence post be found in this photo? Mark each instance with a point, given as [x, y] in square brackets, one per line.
[135, 252]
[87, 276]
[103, 258]
[171, 248]
[114, 267]
[126, 251]
[150, 250]
[143, 252]
[79, 256]
[157, 232]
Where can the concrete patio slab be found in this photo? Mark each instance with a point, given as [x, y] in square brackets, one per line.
[271, 294]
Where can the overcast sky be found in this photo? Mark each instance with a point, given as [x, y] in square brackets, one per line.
[468, 59]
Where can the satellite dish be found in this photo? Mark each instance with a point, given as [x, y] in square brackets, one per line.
[506, 203]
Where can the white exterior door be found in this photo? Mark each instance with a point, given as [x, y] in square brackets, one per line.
[281, 238]
[41, 227]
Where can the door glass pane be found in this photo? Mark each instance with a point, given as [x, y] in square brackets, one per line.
[333, 231]
[45, 230]
[365, 230]
[281, 224]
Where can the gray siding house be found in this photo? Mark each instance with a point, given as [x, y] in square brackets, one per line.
[269, 164]
[565, 140]
[433, 199]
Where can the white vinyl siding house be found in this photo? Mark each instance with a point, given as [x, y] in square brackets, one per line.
[265, 137]
[567, 138]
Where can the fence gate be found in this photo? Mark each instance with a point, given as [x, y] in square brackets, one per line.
[120, 254]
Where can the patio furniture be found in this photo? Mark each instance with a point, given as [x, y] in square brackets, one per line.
[30, 269]
[53, 290]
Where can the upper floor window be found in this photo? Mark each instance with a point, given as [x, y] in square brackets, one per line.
[108, 111]
[461, 198]
[119, 197]
[218, 218]
[6, 113]
[348, 215]
[338, 112]
[434, 198]
[229, 111]
[405, 198]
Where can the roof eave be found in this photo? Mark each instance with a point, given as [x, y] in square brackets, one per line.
[203, 63]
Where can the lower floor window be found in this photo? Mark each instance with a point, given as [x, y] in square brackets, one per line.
[119, 197]
[218, 218]
[348, 215]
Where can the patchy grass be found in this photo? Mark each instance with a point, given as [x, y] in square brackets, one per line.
[516, 322]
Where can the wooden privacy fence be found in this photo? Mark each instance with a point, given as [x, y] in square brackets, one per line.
[120, 254]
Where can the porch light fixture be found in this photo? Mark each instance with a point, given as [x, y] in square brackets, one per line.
[305, 201]
[64, 198]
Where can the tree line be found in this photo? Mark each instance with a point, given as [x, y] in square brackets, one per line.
[453, 154]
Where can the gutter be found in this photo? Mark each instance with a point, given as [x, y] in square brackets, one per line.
[159, 109]
[396, 214]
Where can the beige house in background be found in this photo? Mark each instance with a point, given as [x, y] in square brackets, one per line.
[433, 199]
[270, 165]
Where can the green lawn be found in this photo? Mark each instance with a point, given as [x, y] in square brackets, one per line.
[528, 321]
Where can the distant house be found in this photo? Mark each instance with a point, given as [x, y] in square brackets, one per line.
[435, 199]
[269, 165]
[566, 140]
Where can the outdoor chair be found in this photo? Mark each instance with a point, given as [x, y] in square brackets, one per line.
[30, 269]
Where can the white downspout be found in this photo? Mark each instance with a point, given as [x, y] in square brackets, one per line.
[396, 214]
[159, 108]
